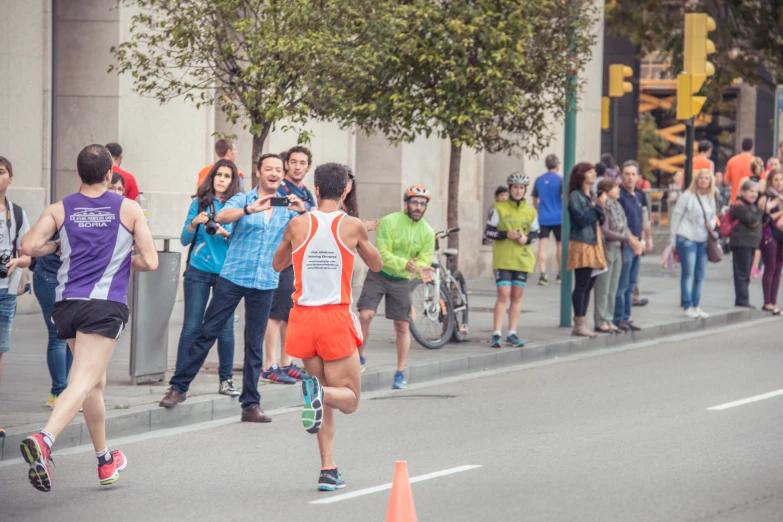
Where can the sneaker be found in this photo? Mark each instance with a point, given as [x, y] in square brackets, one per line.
[110, 473]
[50, 400]
[227, 388]
[37, 454]
[399, 381]
[330, 480]
[692, 313]
[295, 372]
[543, 280]
[363, 362]
[313, 410]
[558, 279]
[275, 374]
[495, 342]
[513, 340]
[755, 273]
[702, 313]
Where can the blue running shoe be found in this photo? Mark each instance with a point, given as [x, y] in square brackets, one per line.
[399, 381]
[513, 340]
[313, 411]
[330, 480]
[363, 362]
[495, 343]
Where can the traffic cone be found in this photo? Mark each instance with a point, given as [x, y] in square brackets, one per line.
[401, 508]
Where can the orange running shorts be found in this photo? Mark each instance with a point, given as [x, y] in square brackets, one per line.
[331, 331]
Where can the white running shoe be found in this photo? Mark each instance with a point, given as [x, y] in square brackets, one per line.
[692, 313]
[702, 313]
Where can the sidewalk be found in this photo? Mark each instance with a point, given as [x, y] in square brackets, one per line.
[133, 409]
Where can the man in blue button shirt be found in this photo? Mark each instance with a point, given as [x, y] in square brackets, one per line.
[247, 273]
[632, 202]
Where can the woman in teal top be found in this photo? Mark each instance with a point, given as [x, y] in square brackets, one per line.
[208, 243]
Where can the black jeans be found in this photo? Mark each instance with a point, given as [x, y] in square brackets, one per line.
[742, 259]
[583, 285]
[225, 299]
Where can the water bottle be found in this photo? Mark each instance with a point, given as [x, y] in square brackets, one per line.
[142, 201]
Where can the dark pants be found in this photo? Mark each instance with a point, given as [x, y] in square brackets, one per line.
[742, 258]
[197, 286]
[772, 254]
[225, 299]
[583, 285]
[629, 277]
[58, 355]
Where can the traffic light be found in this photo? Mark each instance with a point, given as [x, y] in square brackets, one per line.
[697, 47]
[605, 112]
[617, 84]
[688, 105]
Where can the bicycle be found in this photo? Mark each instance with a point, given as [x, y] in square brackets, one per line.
[439, 308]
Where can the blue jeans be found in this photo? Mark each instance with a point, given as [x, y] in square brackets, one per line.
[7, 313]
[198, 285]
[58, 355]
[693, 258]
[225, 299]
[629, 276]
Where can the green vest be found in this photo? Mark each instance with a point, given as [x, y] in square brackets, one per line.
[506, 253]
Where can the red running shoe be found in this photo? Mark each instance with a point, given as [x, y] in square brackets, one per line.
[38, 455]
[110, 473]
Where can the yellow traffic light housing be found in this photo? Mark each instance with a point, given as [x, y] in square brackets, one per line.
[697, 47]
[688, 105]
[605, 112]
[617, 84]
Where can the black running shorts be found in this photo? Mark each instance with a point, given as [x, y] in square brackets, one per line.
[89, 316]
[282, 300]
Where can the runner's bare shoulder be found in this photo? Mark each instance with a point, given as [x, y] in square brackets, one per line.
[351, 231]
[130, 212]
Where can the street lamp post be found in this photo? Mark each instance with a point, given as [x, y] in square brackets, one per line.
[568, 163]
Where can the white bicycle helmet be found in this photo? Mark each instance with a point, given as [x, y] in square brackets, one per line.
[518, 178]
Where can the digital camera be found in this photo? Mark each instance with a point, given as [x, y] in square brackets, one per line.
[4, 259]
[211, 226]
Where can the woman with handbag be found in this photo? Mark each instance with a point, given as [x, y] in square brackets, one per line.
[692, 224]
[772, 240]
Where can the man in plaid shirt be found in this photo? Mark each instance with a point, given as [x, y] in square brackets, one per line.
[247, 273]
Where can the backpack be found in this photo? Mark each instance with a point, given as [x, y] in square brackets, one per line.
[727, 224]
[19, 219]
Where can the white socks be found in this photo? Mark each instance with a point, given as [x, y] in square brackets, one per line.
[48, 438]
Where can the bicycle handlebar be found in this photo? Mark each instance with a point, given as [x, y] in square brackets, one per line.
[445, 233]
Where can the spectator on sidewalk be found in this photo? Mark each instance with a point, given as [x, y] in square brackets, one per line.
[247, 273]
[632, 202]
[548, 202]
[501, 194]
[611, 166]
[702, 160]
[585, 244]
[351, 204]
[131, 188]
[208, 243]
[773, 163]
[756, 172]
[117, 184]
[772, 240]
[58, 356]
[512, 226]
[407, 245]
[13, 226]
[693, 218]
[616, 236]
[224, 149]
[722, 193]
[738, 168]
[298, 164]
[745, 239]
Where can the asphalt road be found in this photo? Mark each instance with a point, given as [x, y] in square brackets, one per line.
[623, 435]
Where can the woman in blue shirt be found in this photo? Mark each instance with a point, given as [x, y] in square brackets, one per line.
[208, 242]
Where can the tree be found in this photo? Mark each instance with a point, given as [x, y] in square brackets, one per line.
[259, 59]
[651, 145]
[484, 74]
[748, 36]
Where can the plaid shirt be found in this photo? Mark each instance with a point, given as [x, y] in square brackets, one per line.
[253, 243]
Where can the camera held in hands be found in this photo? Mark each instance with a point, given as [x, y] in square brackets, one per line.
[4, 259]
[211, 226]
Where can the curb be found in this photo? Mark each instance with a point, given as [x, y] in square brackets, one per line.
[146, 418]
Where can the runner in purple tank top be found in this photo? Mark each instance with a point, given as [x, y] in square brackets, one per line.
[97, 231]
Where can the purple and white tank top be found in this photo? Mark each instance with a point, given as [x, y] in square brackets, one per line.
[96, 249]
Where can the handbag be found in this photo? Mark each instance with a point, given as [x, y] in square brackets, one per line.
[727, 224]
[714, 250]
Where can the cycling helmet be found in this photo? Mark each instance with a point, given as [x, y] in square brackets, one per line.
[417, 191]
[518, 178]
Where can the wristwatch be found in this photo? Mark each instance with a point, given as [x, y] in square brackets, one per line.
[245, 209]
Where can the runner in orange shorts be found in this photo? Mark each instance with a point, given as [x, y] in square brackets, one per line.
[322, 331]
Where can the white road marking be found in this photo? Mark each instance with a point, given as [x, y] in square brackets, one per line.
[741, 402]
[384, 487]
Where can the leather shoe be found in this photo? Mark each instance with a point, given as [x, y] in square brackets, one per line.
[172, 398]
[622, 326]
[255, 414]
[641, 302]
[633, 327]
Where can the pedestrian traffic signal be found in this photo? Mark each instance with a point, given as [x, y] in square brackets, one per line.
[617, 84]
[605, 112]
[697, 47]
[688, 105]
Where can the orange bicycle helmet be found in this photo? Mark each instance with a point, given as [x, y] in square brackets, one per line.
[417, 191]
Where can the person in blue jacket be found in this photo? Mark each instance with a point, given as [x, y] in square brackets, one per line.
[208, 242]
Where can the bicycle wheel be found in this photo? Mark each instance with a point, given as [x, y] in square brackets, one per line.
[459, 300]
[432, 315]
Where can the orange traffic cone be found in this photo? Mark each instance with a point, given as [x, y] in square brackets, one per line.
[401, 508]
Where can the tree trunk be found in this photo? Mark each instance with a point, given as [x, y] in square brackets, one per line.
[452, 212]
[258, 148]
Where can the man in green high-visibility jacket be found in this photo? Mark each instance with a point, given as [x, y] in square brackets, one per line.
[407, 245]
